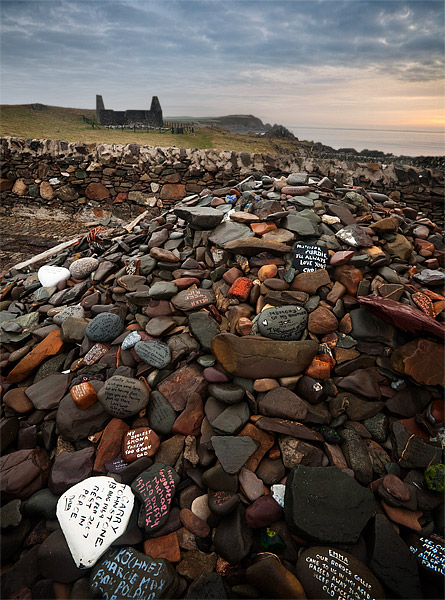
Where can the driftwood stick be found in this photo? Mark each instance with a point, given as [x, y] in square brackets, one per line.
[46, 254]
[133, 224]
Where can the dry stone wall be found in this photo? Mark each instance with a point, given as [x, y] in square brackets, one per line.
[104, 180]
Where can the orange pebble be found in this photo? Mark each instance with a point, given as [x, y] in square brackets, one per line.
[267, 272]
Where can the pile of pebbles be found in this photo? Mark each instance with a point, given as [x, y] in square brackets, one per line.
[239, 398]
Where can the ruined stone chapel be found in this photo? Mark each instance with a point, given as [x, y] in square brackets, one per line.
[129, 118]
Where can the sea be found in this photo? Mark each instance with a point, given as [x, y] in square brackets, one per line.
[400, 142]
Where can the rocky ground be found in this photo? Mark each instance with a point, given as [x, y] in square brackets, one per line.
[236, 397]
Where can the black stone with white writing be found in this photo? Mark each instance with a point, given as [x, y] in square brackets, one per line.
[155, 487]
[282, 322]
[123, 396]
[153, 352]
[309, 258]
[330, 573]
[126, 573]
[430, 555]
[105, 327]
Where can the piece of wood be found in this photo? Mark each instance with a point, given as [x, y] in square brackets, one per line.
[46, 254]
[137, 220]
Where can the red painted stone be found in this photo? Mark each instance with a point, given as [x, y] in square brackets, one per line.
[240, 289]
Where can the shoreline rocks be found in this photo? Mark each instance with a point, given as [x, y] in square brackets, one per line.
[246, 408]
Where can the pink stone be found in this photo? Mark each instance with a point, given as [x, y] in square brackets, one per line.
[214, 375]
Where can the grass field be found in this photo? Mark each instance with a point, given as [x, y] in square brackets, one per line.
[57, 123]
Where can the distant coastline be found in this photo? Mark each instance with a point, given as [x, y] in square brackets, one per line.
[400, 142]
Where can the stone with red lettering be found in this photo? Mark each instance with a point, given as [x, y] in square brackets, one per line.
[139, 442]
[155, 487]
[92, 515]
[193, 299]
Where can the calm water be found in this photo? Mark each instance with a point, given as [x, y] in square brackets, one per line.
[398, 142]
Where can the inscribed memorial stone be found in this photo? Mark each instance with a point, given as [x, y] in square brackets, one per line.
[92, 515]
[104, 327]
[139, 442]
[309, 258]
[125, 573]
[154, 353]
[155, 487]
[123, 396]
[328, 573]
[282, 322]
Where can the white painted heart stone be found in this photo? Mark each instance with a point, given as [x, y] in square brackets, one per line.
[49, 275]
[92, 515]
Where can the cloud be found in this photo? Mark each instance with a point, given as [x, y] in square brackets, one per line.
[206, 51]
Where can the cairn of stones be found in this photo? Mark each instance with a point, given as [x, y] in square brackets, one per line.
[236, 396]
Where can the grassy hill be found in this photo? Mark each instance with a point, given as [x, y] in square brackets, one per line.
[54, 122]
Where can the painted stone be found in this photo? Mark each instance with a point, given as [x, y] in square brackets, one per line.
[155, 487]
[126, 573]
[131, 340]
[330, 573]
[281, 322]
[154, 353]
[139, 442]
[430, 555]
[105, 327]
[193, 299]
[49, 275]
[94, 354]
[92, 515]
[123, 396]
[278, 490]
[75, 311]
[309, 258]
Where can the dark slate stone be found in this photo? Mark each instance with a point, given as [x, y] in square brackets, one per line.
[392, 562]
[105, 327]
[411, 451]
[69, 468]
[208, 586]
[21, 574]
[325, 505]
[204, 327]
[233, 538]
[229, 393]
[160, 414]
[199, 217]
[55, 560]
[229, 231]
[75, 424]
[233, 451]
[127, 573]
[155, 487]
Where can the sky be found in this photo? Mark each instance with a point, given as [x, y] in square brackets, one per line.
[322, 63]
